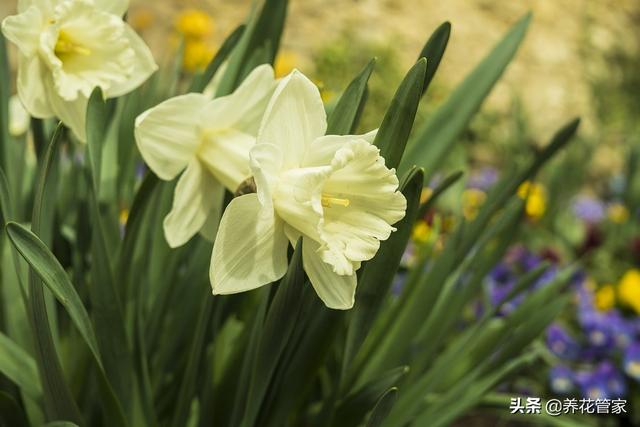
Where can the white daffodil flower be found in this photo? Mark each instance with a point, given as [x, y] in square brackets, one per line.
[334, 191]
[208, 139]
[70, 47]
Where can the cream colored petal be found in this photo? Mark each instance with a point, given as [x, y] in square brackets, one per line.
[249, 101]
[143, 67]
[117, 7]
[168, 134]
[294, 118]
[226, 155]
[337, 292]
[193, 200]
[72, 113]
[250, 249]
[323, 149]
[23, 30]
[266, 162]
[31, 84]
[45, 6]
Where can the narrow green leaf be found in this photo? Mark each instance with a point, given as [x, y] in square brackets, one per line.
[5, 79]
[377, 275]
[398, 121]
[201, 81]
[435, 138]
[17, 365]
[354, 408]
[11, 414]
[433, 50]
[107, 313]
[278, 328]
[58, 400]
[61, 424]
[343, 118]
[383, 408]
[97, 120]
[45, 264]
[262, 34]
[52, 275]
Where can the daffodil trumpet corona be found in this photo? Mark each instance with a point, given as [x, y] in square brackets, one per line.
[333, 191]
[67, 48]
[209, 142]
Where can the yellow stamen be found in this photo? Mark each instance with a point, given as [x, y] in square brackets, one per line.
[65, 46]
[328, 201]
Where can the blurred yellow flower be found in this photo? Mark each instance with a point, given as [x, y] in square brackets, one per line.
[141, 19]
[421, 231]
[197, 54]
[629, 289]
[618, 213]
[425, 194]
[536, 197]
[195, 24]
[472, 199]
[123, 216]
[285, 63]
[605, 297]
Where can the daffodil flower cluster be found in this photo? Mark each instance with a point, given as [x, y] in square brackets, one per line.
[267, 140]
[265, 143]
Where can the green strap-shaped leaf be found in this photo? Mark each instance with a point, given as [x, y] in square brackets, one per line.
[97, 119]
[11, 414]
[398, 120]
[343, 118]
[201, 81]
[377, 275]
[111, 336]
[354, 408]
[260, 39]
[17, 365]
[58, 400]
[433, 51]
[383, 408]
[47, 267]
[276, 334]
[435, 138]
[5, 79]
[439, 190]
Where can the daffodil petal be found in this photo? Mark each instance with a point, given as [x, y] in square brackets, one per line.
[72, 113]
[294, 118]
[337, 292]
[226, 155]
[117, 7]
[43, 5]
[266, 161]
[168, 134]
[31, 83]
[24, 29]
[247, 104]
[250, 249]
[195, 195]
[19, 118]
[143, 66]
[323, 149]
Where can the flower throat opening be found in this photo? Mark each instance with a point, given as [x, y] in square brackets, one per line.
[329, 201]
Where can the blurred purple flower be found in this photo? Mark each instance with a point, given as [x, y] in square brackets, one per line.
[604, 382]
[399, 280]
[561, 343]
[589, 209]
[561, 379]
[483, 179]
[632, 361]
